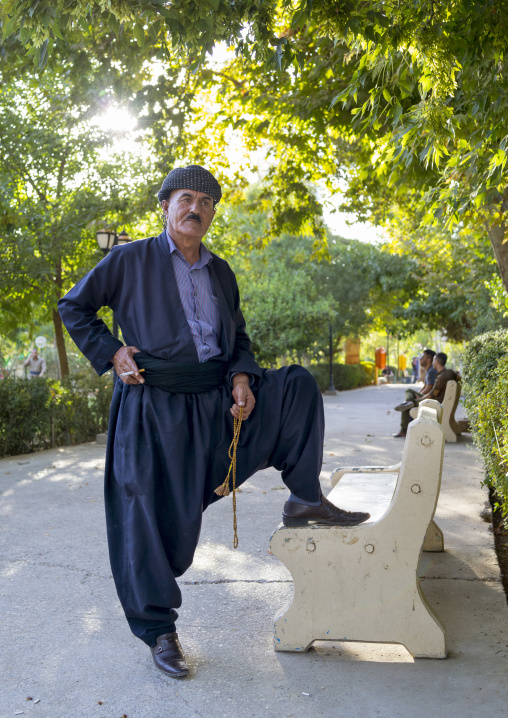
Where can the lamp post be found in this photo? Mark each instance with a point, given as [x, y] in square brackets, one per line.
[398, 360]
[106, 239]
[331, 391]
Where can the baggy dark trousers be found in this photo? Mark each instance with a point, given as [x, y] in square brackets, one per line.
[166, 455]
[167, 452]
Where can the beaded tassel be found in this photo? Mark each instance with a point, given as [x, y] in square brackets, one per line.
[223, 489]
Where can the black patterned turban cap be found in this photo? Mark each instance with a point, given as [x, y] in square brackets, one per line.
[192, 177]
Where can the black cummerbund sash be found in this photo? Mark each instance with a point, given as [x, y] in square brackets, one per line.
[181, 377]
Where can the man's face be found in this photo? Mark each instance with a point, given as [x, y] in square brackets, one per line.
[425, 360]
[188, 213]
[34, 353]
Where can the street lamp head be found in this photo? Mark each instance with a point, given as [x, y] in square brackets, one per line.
[105, 240]
[123, 238]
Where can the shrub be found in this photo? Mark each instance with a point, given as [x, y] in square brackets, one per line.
[345, 376]
[42, 413]
[486, 399]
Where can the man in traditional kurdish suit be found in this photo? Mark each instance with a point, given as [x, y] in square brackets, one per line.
[171, 426]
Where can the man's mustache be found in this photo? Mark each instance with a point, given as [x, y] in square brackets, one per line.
[193, 216]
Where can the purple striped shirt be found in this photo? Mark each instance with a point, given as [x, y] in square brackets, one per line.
[199, 302]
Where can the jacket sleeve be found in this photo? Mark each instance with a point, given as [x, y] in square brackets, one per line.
[78, 309]
[242, 359]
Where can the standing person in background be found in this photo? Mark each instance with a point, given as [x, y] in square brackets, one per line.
[415, 397]
[36, 365]
[414, 365]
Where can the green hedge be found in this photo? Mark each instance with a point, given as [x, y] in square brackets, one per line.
[345, 376]
[41, 413]
[485, 384]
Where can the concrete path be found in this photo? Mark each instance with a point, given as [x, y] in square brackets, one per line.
[65, 643]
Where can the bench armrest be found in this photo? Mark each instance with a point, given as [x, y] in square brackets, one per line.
[339, 472]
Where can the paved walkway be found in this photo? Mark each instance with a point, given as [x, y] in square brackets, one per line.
[63, 638]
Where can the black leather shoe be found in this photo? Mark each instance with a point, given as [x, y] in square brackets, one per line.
[401, 435]
[168, 656]
[295, 514]
[405, 406]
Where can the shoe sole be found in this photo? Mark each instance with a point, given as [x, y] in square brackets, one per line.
[173, 675]
[297, 523]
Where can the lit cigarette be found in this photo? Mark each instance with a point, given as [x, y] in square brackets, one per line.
[130, 373]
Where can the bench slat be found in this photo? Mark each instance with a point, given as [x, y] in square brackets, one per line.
[372, 492]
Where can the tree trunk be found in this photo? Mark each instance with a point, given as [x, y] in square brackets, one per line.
[60, 344]
[500, 246]
[57, 323]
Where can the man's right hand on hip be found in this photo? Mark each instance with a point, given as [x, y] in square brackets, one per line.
[123, 362]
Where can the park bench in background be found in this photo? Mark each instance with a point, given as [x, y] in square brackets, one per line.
[361, 583]
[452, 428]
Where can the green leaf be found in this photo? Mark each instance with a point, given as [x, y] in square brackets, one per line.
[369, 33]
[353, 24]
[57, 31]
[9, 27]
[166, 12]
[297, 18]
[24, 34]
[43, 55]
[262, 126]
[300, 57]
[33, 8]
[194, 66]
[139, 34]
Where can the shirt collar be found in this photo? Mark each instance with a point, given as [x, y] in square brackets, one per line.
[205, 256]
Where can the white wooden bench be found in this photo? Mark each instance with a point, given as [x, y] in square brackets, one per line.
[451, 427]
[361, 583]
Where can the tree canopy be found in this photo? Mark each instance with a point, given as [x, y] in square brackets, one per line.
[411, 94]
[407, 109]
[398, 109]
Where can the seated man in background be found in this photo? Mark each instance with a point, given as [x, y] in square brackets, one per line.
[415, 397]
[386, 375]
[444, 375]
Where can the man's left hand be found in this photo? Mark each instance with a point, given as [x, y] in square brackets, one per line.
[243, 396]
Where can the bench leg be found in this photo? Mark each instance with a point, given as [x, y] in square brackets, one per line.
[433, 540]
[422, 636]
[429, 646]
[429, 640]
[290, 635]
[450, 435]
[354, 585]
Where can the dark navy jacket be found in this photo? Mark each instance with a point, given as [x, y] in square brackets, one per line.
[137, 281]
